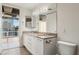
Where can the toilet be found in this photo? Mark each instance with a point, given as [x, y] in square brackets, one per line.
[66, 48]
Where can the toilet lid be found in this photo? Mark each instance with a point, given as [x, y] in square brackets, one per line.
[66, 43]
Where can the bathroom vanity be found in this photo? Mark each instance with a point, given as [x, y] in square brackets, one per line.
[40, 43]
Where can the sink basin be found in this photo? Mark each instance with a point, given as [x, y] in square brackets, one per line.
[41, 35]
[46, 36]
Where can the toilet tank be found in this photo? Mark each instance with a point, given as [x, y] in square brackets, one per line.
[66, 48]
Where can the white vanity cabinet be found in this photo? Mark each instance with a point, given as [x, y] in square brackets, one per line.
[40, 46]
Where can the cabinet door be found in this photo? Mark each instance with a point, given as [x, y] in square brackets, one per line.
[34, 42]
[50, 46]
[37, 46]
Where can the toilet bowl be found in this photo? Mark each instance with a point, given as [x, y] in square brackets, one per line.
[66, 48]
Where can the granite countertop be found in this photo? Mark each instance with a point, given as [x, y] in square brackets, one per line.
[42, 35]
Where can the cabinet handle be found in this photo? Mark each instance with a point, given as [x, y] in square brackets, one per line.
[48, 41]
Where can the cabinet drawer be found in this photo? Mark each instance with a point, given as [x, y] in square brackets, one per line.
[30, 38]
[29, 47]
[29, 43]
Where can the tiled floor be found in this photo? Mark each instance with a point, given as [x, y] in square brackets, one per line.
[15, 51]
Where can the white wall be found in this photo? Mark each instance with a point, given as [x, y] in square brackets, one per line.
[68, 22]
[0, 16]
[0, 10]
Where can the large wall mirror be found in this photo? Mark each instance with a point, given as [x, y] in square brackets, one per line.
[48, 20]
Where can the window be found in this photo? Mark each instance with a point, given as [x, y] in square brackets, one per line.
[10, 26]
[28, 21]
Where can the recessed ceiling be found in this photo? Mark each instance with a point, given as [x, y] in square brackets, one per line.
[30, 6]
[27, 5]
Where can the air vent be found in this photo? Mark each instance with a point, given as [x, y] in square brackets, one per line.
[10, 11]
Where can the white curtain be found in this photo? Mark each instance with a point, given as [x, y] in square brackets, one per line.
[42, 26]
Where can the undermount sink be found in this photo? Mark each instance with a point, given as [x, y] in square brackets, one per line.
[46, 35]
